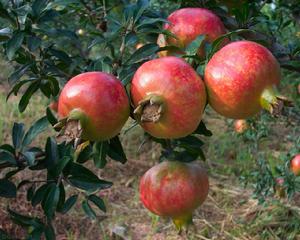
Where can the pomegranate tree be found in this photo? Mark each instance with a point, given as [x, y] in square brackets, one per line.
[241, 79]
[98, 101]
[169, 97]
[189, 23]
[174, 189]
[295, 165]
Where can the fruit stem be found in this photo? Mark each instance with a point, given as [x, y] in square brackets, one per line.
[150, 109]
[273, 102]
[182, 221]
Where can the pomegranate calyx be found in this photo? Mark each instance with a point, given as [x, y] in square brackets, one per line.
[70, 131]
[273, 102]
[183, 221]
[150, 109]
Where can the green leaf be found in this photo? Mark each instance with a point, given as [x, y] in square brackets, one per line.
[17, 134]
[194, 46]
[202, 130]
[62, 197]
[51, 201]
[98, 202]
[100, 150]
[34, 43]
[16, 75]
[38, 6]
[60, 165]
[50, 116]
[116, 151]
[29, 157]
[30, 193]
[39, 195]
[16, 88]
[6, 156]
[85, 179]
[37, 128]
[7, 189]
[69, 204]
[33, 87]
[24, 220]
[88, 210]
[51, 151]
[14, 44]
[50, 233]
[143, 53]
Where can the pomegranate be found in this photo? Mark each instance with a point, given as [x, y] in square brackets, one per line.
[241, 79]
[240, 125]
[295, 165]
[169, 97]
[187, 24]
[174, 189]
[279, 188]
[98, 101]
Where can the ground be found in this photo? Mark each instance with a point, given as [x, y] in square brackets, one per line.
[230, 211]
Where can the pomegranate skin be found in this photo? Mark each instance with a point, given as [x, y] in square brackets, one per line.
[240, 125]
[181, 92]
[174, 189]
[99, 101]
[187, 24]
[295, 165]
[239, 76]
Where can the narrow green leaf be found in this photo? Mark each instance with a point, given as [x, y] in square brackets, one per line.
[39, 195]
[51, 151]
[202, 130]
[29, 157]
[6, 156]
[57, 169]
[33, 87]
[143, 53]
[38, 6]
[14, 44]
[16, 76]
[34, 43]
[51, 201]
[69, 204]
[38, 127]
[88, 210]
[98, 202]
[99, 154]
[17, 134]
[7, 189]
[194, 46]
[49, 233]
[116, 151]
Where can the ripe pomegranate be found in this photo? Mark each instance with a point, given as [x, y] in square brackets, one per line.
[241, 79]
[99, 101]
[295, 165]
[240, 125]
[174, 189]
[169, 97]
[187, 24]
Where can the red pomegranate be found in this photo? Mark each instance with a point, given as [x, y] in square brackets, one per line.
[240, 125]
[187, 24]
[295, 165]
[99, 101]
[169, 97]
[241, 79]
[174, 189]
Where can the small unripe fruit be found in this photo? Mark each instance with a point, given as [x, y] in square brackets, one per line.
[279, 188]
[240, 125]
[80, 32]
[295, 165]
[174, 189]
[98, 101]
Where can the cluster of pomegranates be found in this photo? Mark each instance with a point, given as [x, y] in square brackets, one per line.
[169, 97]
